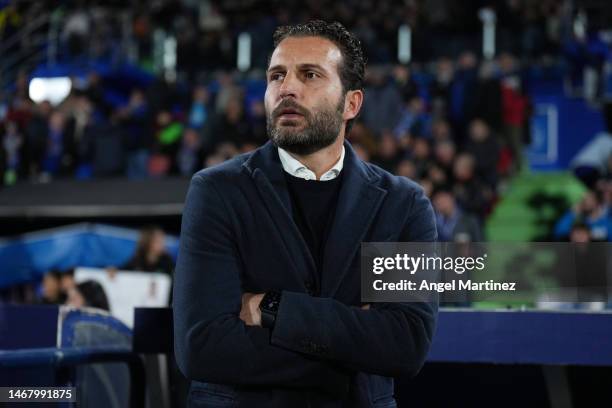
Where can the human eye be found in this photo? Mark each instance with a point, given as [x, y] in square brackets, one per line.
[276, 76]
[312, 75]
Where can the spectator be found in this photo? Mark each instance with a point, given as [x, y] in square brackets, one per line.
[79, 110]
[95, 93]
[134, 118]
[406, 168]
[141, 29]
[67, 280]
[228, 91]
[486, 102]
[580, 233]
[36, 132]
[229, 126]
[362, 135]
[444, 156]
[515, 108]
[460, 95]
[441, 131]
[438, 176]
[102, 150]
[483, 146]
[472, 195]
[389, 154]
[421, 155]
[452, 223]
[414, 120]
[223, 152]
[590, 211]
[189, 156]
[168, 134]
[383, 102]
[88, 294]
[198, 113]
[257, 122]
[440, 87]
[20, 105]
[12, 143]
[151, 255]
[51, 289]
[59, 157]
[405, 82]
[161, 95]
[363, 153]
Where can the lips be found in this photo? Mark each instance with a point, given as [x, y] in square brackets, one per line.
[290, 114]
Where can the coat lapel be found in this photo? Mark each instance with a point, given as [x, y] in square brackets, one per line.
[358, 203]
[267, 172]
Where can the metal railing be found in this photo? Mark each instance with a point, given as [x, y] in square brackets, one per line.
[60, 358]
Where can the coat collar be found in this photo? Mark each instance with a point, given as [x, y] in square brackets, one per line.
[358, 203]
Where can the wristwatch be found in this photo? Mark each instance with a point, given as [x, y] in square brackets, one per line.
[269, 308]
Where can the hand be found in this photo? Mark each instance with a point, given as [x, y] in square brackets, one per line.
[366, 306]
[249, 312]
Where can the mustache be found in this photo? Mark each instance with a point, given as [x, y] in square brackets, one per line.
[289, 104]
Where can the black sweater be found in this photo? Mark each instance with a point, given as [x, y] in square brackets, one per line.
[314, 204]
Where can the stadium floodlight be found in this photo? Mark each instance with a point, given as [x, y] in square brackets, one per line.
[404, 44]
[488, 18]
[54, 89]
[580, 25]
[244, 52]
[169, 58]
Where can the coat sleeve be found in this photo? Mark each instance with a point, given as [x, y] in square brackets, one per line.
[390, 339]
[212, 344]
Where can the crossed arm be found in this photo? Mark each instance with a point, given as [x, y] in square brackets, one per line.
[250, 313]
[315, 343]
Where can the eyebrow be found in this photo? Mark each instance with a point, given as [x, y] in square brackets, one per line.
[300, 66]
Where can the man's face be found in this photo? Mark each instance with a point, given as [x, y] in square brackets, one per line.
[304, 99]
[444, 203]
[51, 287]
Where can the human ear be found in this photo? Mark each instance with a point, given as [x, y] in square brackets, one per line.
[352, 104]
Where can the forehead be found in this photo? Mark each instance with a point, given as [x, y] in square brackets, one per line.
[306, 50]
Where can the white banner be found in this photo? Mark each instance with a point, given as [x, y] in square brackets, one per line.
[126, 290]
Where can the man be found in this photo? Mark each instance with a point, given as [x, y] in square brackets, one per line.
[452, 224]
[267, 306]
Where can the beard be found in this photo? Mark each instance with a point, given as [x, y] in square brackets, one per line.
[321, 129]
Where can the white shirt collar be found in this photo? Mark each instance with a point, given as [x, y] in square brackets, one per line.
[292, 166]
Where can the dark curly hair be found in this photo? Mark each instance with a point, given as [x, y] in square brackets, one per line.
[353, 62]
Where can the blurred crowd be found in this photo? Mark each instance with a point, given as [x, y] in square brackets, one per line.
[456, 128]
[453, 122]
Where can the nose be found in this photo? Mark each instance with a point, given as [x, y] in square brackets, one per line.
[290, 86]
